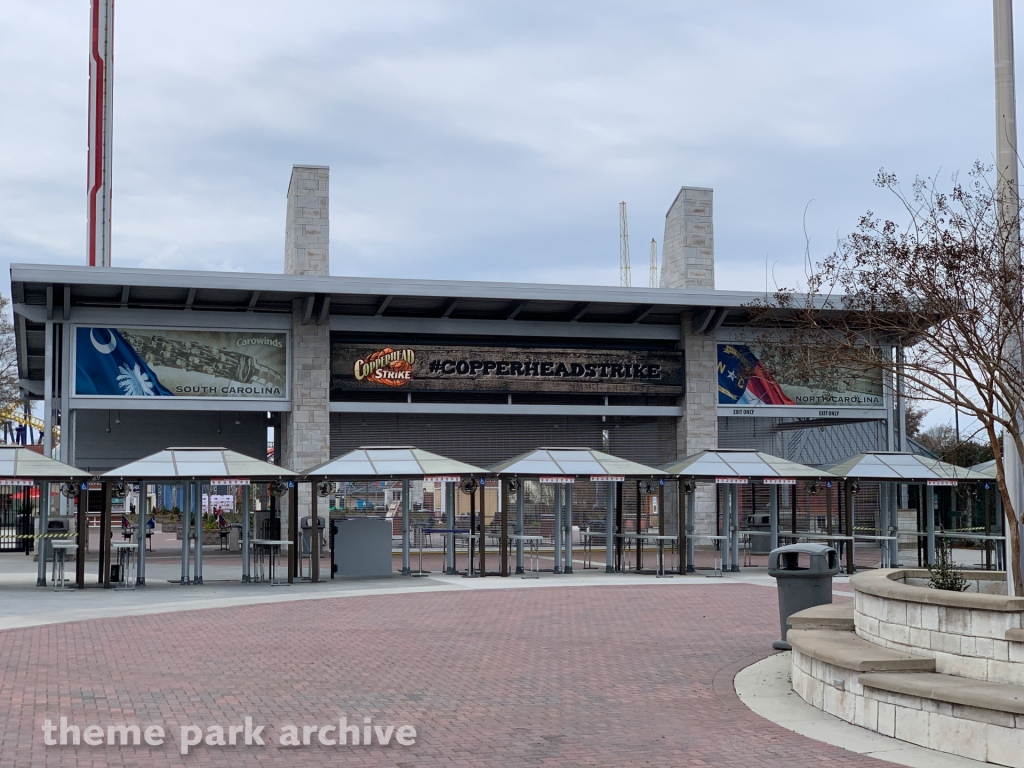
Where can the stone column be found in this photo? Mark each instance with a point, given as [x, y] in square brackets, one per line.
[688, 250]
[306, 431]
[688, 261]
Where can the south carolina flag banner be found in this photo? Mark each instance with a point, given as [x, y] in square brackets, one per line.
[106, 364]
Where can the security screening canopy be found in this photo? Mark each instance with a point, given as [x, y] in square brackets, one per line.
[23, 464]
[900, 467]
[573, 462]
[734, 467]
[199, 464]
[741, 464]
[394, 462]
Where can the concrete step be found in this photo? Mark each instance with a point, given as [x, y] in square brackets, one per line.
[837, 617]
[847, 650]
[999, 697]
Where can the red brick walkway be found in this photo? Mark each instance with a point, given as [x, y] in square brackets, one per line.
[596, 676]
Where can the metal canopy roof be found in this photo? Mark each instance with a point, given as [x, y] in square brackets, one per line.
[905, 467]
[22, 463]
[987, 468]
[42, 292]
[571, 462]
[199, 464]
[394, 462]
[739, 463]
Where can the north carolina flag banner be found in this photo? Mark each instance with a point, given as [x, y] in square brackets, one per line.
[743, 380]
[106, 364]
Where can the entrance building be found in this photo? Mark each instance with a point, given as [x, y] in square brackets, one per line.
[133, 361]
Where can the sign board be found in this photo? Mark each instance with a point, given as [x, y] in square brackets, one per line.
[135, 363]
[442, 479]
[419, 368]
[569, 480]
[732, 480]
[607, 478]
[780, 481]
[746, 388]
[229, 481]
[19, 481]
[942, 482]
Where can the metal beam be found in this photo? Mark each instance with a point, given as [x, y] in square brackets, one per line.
[516, 409]
[383, 305]
[49, 302]
[307, 309]
[524, 328]
[642, 313]
[720, 316]
[449, 307]
[67, 302]
[325, 311]
[579, 311]
[252, 301]
[191, 298]
[702, 319]
[515, 308]
[124, 296]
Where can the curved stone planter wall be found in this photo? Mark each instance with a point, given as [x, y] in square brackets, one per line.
[943, 670]
[965, 632]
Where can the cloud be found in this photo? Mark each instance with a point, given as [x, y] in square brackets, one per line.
[485, 140]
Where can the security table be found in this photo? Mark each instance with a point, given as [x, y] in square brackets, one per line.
[886, 554]
[445, 532]
[588, 546]
[830, 537]
[268, 558]
[642, 537]
[470, 537]
[532, 544]
[717, 562]
[60, 550]
[126, 563]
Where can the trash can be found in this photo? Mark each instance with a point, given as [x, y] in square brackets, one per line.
[760, 522]
[803, 574]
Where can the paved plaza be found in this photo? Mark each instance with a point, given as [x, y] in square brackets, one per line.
[635, 672]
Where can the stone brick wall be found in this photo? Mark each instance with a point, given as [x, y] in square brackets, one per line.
[306, 431]
[307, 226]
[697, 430]
[688, 250]
[964, 642]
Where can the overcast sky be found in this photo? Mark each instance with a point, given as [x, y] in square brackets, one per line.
[485, 140]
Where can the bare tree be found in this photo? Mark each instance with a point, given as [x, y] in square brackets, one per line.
[10, 393]
[935, 300]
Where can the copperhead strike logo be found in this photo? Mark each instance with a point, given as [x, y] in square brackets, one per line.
[390, 367]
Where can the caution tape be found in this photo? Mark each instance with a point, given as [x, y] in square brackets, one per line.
[43, 536]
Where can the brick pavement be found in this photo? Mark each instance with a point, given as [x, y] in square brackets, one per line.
[594, 676]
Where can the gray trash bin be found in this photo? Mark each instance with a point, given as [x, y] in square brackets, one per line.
[803, 574]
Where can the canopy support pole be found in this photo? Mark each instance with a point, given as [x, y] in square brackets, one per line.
[894, 527]
[691, 504]
[246, 520]
[773, 517]
[44, 516]
[503, 496]
[449, 523]
[735, 529]
[314, 535]
[851, 553]
[568, 528]
[140, 530]
[639, 523]
[82, 536]
[293, 532]
[105, 537]
[609, 527]
[186, 531]
[929, 521]
[557, 532]
[198, 556]
[520, 522]
[618, 526]
[406, 569]
[483, 529]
